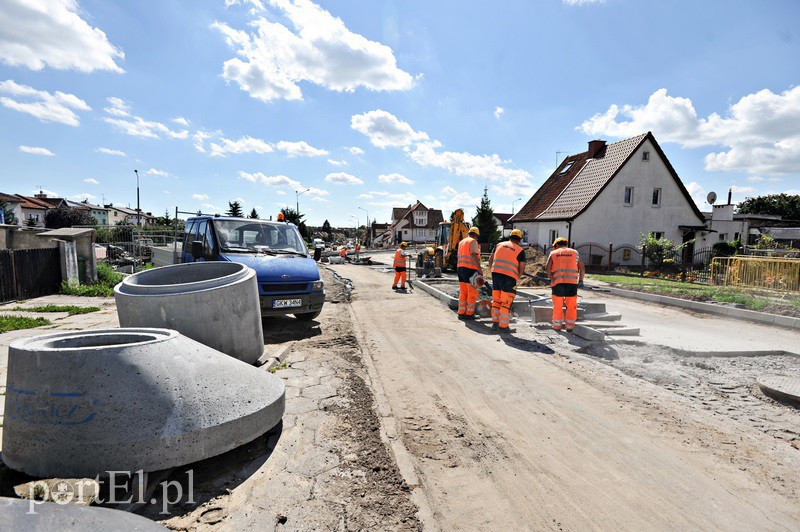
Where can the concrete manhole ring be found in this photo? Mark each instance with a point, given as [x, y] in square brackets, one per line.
[780, 387]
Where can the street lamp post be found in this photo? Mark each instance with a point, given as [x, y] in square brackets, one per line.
[297, 195]
[369, 229]
[356, 219]
[138, 209]
[512, 204]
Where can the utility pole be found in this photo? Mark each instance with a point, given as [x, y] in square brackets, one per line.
[369, 229]
[297, 195]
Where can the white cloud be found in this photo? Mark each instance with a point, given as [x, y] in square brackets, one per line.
[280, 192]
[47, 107]
[582, 2]
[317, 198]
[761, 131]
[342, 178]
[210, 206]
[36, 34]
[180, 120]
[384, 129]
[161, 173]
[498, 112]
[272, 181]
[395, 178]
[759, 179]
[355, 150]
[742, 190]
[200, 197]
[698, 194]
[137, 126]
[337, 163]
[243, 145]
[388, 199]
[91, 181]
[452, 200]
[81, 197]
[108, 151]
[35, 150]
[317, 47]
[313, 191]
[299, 149]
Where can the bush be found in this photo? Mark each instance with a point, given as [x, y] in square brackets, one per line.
[725, 249]
[657, 250]
[107, 279]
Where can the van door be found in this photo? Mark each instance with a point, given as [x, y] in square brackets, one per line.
[188, 236]
[200, 235]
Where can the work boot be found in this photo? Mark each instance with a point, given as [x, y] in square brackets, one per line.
[402, 288]
[495, 326]
[461, 317]
[468, 317]
[394, 287]
[507, 330]
[568, 330]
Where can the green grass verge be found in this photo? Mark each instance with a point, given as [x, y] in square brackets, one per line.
[71, 309]
[694, 291]
[107, 278]
[14, 323]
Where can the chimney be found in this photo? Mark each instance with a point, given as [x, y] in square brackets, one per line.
[40, 195]
[595, 147]
[730, 195]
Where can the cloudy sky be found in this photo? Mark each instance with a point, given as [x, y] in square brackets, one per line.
[368, 104]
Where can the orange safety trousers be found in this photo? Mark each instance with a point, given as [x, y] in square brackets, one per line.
[467, 296]
[400, 276]
[568, 321]
[501, 307]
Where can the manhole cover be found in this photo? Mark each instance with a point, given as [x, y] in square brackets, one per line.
[780, 387]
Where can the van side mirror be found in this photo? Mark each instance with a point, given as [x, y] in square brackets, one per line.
[197, 249]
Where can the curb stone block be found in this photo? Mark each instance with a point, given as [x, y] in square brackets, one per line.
[587, 333]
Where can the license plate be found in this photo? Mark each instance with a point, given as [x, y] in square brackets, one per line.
[287, 303]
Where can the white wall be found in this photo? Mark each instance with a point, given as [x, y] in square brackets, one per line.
[608, 220]
[539, 232]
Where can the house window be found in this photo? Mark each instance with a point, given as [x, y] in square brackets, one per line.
[656, 197]
[645, 155]
[628, 196]
[736, 236]
[658, 235]
[553, 236]
[567, 167]
[723, 237]
[421, 218]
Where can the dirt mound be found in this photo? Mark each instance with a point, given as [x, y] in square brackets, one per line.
[534, 267]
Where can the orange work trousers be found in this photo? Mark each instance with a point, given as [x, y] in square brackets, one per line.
[501, 307]
[559, 319]
[400, 276]
[467, 296]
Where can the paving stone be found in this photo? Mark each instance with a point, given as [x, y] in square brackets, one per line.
[588, 333]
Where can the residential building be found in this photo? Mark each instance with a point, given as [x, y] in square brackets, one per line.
[32, 211]
[381, 233]
[119, 214]
[15, 204]
[612, 193]
[415, 223]
[503, 225]
[97, 212]
[724, 224]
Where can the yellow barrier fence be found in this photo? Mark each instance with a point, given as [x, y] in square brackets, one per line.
[757, 272]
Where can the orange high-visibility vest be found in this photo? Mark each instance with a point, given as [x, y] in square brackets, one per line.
[565, 266]
[343, 252]
[464, 256]
[399, 259]
[505, 259]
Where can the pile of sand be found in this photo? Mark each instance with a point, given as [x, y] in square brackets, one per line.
[534, 266]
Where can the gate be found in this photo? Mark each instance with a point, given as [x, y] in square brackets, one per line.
[27, 273]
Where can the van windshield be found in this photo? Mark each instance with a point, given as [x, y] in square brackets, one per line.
[254, 237]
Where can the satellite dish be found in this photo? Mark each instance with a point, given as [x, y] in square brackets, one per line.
[711, 198]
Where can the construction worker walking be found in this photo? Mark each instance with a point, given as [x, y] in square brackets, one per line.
[566, 270]
[507, 263]
[400, 267]
[469, 263]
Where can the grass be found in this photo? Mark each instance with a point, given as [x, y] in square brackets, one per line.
[282, 365]
[71, 309]
[695, 291]
[15, 323]
[107, 279]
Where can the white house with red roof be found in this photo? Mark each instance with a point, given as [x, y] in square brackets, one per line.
[611, 193]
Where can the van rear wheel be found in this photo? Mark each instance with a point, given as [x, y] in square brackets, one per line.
[307, 316]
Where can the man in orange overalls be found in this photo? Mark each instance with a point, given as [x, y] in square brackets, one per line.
[469, 263]
[400, 267]
[566, 271]
[507, 263]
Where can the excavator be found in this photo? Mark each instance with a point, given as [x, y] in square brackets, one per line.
[448, 236]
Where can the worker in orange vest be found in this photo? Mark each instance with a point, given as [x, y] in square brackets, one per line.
[400, 267]
[507, 263]
[566, 271]
[469, 263]
[343, 252]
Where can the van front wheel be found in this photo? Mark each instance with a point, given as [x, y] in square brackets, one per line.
[308, 316]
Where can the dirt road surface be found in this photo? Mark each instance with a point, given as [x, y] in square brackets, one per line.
[527, 433]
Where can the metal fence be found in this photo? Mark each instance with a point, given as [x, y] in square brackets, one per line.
[27, 273]
[130, 245]
[779, 274]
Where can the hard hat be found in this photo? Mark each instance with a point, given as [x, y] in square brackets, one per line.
[560, 240]
[517, 233]
[403, 244]
[474, 229]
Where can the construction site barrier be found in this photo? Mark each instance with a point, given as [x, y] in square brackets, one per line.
[757, 272]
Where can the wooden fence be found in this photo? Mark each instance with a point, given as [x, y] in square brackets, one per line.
[27, 273]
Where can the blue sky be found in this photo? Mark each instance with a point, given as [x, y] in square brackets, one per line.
[373, 103]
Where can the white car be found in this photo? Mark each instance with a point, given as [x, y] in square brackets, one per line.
[319, 243]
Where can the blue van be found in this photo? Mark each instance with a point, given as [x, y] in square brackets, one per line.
[288, 278]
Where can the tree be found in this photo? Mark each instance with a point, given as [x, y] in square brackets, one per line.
[294, 217]
[785, 205]
[8, 212]
[63, 216]
[234, 209]
[327, 230]
[165, 220]
[253, 213]
[485, 221]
